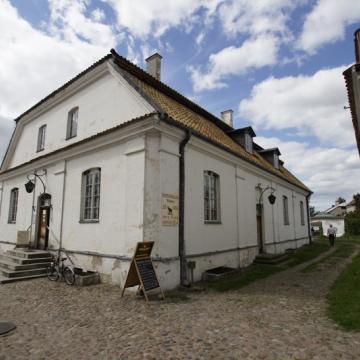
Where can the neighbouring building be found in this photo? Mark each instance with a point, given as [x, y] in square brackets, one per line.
[352, 80]
[120, 158]
[325, 220]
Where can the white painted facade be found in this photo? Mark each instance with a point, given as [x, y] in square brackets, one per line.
[338, 223]
[139, 163]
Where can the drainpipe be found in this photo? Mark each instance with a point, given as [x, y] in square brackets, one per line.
[183, 273]
[1, 197]
[62, 208]
[308, 217]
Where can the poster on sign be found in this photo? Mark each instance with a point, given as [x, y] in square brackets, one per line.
[169, 209]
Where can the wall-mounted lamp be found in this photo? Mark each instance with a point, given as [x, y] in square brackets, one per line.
[30, 185]
[271, 197]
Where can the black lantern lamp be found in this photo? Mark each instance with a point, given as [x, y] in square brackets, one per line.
[30, 185]
[271, 197]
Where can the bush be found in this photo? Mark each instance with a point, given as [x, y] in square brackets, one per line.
[352, 223]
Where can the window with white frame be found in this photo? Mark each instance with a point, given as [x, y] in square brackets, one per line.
[302, 215]
[41, 138]
[90, 202]
[72, 123]
[211, 197]
[14, 195]
[286, 210]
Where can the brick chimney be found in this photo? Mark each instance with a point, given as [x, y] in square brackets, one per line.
[154, 65]
[227, 117]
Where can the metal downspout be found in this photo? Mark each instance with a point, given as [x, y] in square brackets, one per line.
[62, 209]
[182, 253]
[308, 217]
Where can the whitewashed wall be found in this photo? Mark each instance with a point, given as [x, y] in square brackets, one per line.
[103, 104]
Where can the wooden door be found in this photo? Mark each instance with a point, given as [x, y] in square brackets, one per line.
[259, 225]
[43, 230]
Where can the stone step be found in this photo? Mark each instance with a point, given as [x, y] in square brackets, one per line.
[22, 273]
[23, 261]
[6, 280]
[28, 254]
[13, 266]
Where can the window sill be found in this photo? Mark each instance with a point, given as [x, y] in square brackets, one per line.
[212, 222]
[39, 150]
[71, 137]
[11, 222]
[89, 221]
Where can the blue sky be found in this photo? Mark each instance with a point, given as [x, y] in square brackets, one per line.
[277, 63]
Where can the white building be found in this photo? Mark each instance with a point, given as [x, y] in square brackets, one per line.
[325, 220]
[124, 158]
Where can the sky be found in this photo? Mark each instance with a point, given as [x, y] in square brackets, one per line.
[277, 63]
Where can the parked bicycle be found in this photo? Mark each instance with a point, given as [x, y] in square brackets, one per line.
[55, 271]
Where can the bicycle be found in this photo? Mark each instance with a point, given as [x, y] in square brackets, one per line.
[55, 271]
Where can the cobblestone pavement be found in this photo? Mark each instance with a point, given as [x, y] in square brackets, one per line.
[278, 318]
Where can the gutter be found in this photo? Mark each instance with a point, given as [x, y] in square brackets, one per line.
[308, 217]
[182, 251]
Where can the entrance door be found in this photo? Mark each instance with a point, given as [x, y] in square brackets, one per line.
[43, 221]
[259, 225]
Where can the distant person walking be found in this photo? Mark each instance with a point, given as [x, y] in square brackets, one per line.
[331, 232]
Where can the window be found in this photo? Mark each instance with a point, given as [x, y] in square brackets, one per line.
[302, 216]
[286, 210]
[72, 123]
[248, 143]
[13, 205]
[90, 202]
[41, 138]
[211, 197]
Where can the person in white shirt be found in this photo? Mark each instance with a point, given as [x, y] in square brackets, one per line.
[331, 232]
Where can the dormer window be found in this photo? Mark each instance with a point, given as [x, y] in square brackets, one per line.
[272, 156]
[41, 138]
[244, 137]
[276, 160]
[72, 123]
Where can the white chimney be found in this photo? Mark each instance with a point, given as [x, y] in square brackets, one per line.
[227, 117]
[154, 65]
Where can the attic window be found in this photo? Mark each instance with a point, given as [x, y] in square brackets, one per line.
[276, 160]
[41, 138]
[72, 123]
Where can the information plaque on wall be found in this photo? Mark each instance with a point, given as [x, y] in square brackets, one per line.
[141, 272]
[169, 209]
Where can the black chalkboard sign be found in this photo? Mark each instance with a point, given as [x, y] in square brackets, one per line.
[141, 271]
[147, 274]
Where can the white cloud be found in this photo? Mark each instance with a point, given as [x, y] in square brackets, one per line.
[33, 62]
[326, 23]
[329, 172]
[256, 17]
[253, 53]
[154, 17]
[313, 105]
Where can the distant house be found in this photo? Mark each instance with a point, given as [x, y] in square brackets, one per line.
[325, 220]
[351, 206]
[337, 209]
[352, 80]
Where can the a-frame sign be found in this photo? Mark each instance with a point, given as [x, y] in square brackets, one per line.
[141, 272]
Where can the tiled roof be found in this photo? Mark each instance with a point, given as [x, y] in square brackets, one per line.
[211, 129]
[350, 93]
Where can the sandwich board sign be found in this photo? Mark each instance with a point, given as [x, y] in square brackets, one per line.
[141, 272]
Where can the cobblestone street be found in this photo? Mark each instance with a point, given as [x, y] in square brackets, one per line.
[279, 318]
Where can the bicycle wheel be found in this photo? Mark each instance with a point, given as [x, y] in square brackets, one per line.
[52, 273]
[69, 276]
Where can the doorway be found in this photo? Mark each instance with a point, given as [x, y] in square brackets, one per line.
[42, 231]
[259, 225]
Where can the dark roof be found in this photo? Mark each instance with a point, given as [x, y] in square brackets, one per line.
[264, 151]
[351, 97]
[239, 131]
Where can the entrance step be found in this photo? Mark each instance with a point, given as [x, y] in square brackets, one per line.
[271, 259]
[23, 264]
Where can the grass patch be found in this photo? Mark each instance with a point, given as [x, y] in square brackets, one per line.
[354, 239]
[252, 273]
[260, 271]
[342, 251]
[344, 297]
